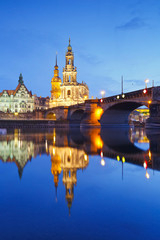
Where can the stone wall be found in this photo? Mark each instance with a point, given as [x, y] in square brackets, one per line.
[20, 116]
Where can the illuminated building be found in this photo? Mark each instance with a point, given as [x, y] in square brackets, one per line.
[139, 115]
[18, 151]
[68, 160]
[69, 92]
[19, 100]
[56, 87]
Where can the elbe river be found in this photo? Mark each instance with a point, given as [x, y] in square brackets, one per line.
[80, 184]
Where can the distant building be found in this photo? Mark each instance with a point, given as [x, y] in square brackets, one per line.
[139, 115]
[69, 92]
[43, 103]
[19, 100]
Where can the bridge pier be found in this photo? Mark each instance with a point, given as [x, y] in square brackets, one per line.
[92, 115]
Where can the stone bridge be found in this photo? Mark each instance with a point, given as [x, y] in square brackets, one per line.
[114, 110]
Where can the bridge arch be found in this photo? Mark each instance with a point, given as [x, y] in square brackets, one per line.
[51, 116]
[54, 114]
[77, 115]
[119, 113]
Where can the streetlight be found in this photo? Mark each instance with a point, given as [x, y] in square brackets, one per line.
[146, 81]
[102, 93]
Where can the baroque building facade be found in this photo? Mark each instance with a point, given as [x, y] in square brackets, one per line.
[19, 100]
[68, 92]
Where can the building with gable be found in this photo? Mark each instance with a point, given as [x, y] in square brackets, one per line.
[19, 100]
[68, 92]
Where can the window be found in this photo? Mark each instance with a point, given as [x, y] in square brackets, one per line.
[68, 93]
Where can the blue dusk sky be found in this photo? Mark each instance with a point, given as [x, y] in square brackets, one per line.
[109, 38]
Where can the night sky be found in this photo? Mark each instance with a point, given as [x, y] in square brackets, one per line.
[109, 38]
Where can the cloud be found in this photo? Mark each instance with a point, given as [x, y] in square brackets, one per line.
[134, 23]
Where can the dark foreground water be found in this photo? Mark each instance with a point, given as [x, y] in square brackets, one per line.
[80, 185]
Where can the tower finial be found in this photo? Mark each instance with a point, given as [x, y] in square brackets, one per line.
[56, 58]
[20, 79]
[69, 46]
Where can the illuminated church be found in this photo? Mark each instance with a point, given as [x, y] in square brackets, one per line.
[68, 92]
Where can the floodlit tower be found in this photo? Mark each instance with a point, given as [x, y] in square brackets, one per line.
[56, 83]
[69, 72]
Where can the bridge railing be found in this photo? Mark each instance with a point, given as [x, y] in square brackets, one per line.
[123, 96]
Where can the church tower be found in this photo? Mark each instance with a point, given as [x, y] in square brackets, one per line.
[56, 89]
[69, 72]
[70, 92]
[56, 82]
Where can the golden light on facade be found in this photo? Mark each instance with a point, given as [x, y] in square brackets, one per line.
[98, 142]
[85, 97]
[149, 102]
[149, 154]
[53, 151]
[118, 158]
[103, 163]
[98, 113]
[54, 136]
[85, 157]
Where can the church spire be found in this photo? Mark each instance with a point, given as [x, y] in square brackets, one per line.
[69, 46]
[20, 79]
[56, 60]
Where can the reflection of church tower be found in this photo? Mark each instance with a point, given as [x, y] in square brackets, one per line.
[69, 180]
[56, 83]
[68, 160]
[56, 168]
[69, 72]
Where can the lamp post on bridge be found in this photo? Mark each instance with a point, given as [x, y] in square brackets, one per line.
[146, 81]
[103, 93]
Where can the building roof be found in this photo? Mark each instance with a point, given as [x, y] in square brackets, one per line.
[13, 92]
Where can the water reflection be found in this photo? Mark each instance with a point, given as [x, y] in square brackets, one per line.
[69, 151]
[67, 160]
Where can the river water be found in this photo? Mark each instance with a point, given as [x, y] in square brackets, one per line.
[80, 184]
